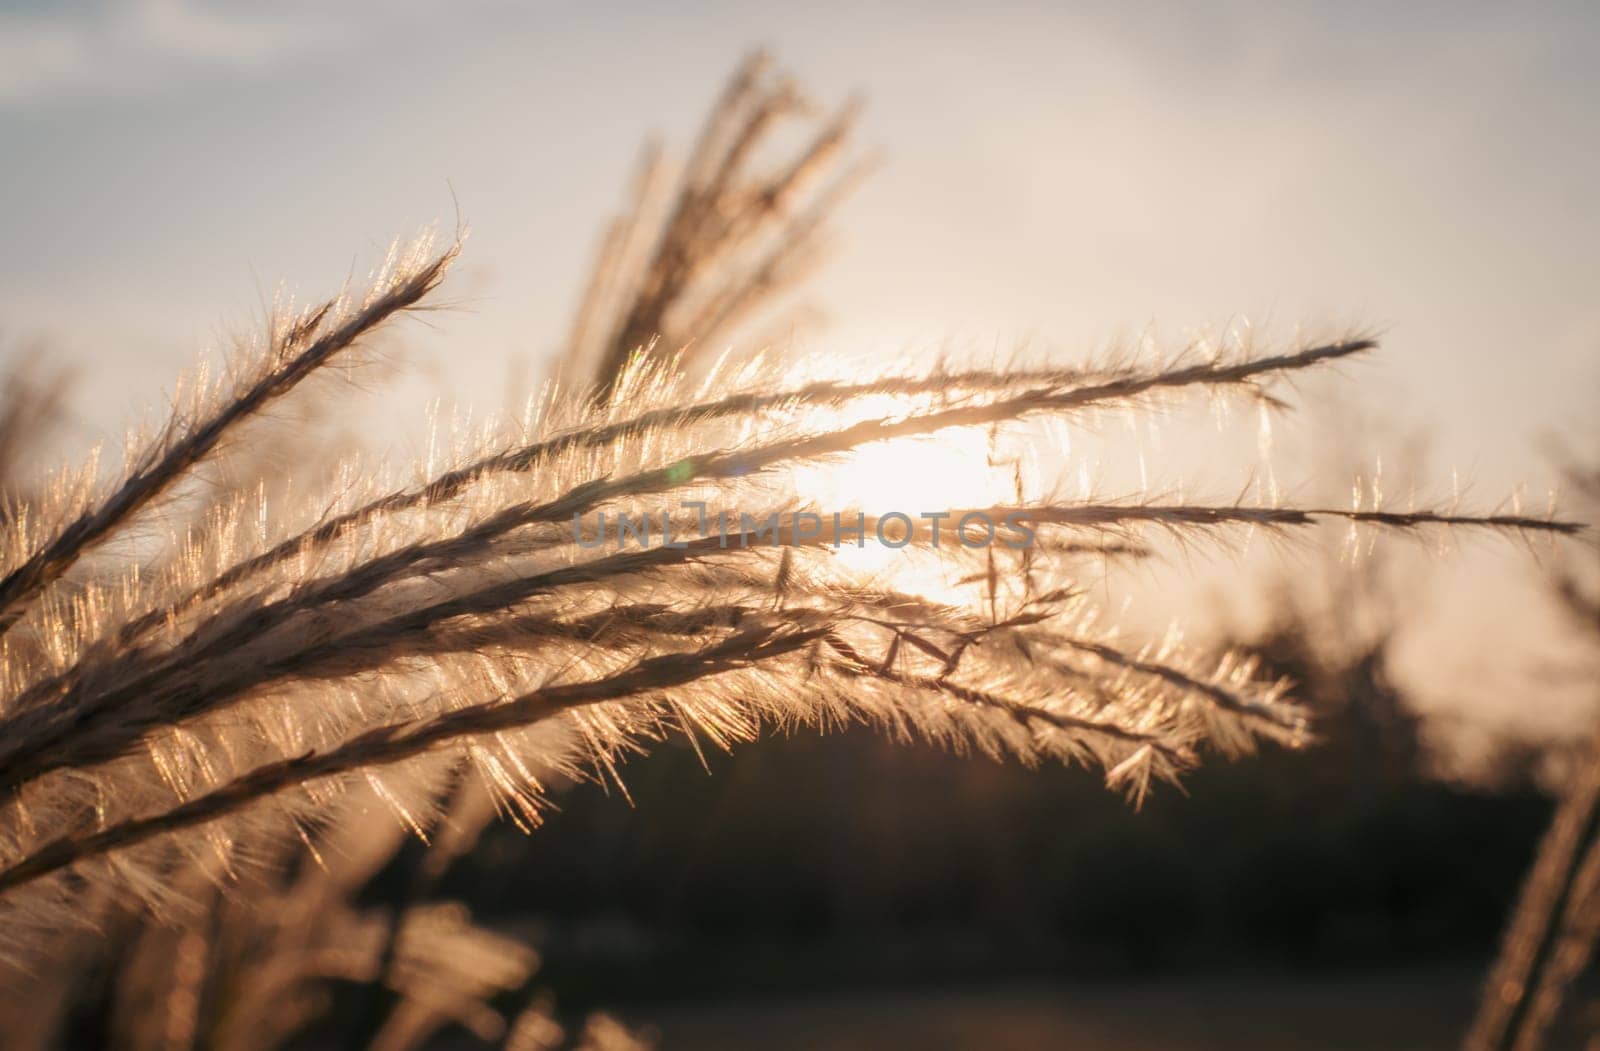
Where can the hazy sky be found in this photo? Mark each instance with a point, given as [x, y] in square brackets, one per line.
[1065, 172]
[1070, 172]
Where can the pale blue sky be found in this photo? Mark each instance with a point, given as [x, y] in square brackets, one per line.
[1064, 171]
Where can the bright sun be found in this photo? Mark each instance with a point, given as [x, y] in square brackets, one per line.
[956, 469]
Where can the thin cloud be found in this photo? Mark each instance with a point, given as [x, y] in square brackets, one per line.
[138, 46]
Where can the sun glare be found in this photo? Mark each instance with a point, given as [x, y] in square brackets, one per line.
[914, 477]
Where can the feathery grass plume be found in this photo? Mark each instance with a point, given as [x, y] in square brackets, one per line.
[477, 626]
[734, 238]
[287, 950]
[200, 726]
[296, 350]
[83, 728]
[1551, 935]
